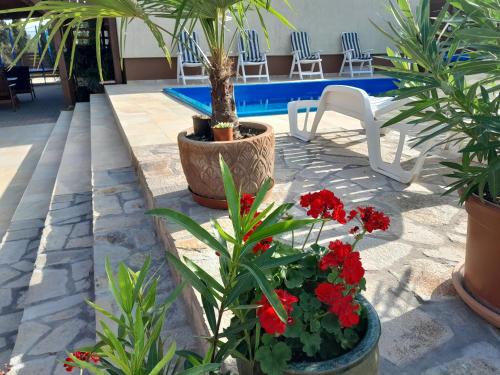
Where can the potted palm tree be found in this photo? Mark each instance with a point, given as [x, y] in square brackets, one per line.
[449, 69]
[251, 155]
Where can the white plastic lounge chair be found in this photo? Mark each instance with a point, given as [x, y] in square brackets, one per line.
[251, 55]
[354, 55]
[190, 56]
[356, 103]
[302, 55]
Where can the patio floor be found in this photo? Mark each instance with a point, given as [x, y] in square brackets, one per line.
[426, 328]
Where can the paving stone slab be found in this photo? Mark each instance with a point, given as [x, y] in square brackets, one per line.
[411, 336]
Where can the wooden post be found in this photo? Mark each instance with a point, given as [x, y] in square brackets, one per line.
[67, 83]
[115, 50]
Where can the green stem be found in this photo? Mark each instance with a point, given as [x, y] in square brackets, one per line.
[320, 229]
[307, 238]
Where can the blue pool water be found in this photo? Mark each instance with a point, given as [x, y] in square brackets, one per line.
[264, 99]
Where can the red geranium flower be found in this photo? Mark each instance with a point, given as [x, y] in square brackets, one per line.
[352, 269]
[328, 293]
[338, 252]
[346, 310]
[373, 219]
[246, 202]
[82, 356]
[268, 318]
[324, 204]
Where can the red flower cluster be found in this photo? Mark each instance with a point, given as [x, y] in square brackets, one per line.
[246, 202]
[268, 318]
[340, 305]
[347, 261]
[371, 218]
[336, 256]
[82, 356]
[346, 310]
[324, 204]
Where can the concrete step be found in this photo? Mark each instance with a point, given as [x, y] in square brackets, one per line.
[122, 232]
[19, 246]
[56, 317]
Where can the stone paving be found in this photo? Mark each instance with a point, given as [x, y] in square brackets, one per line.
[425, 327]
[56, 317]
[122, 231]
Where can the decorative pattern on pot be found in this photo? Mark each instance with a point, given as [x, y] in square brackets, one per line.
[251, 161]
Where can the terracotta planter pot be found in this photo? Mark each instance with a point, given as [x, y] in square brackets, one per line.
[222, 134]
[362, 360]
[480, 273]
[251, 161]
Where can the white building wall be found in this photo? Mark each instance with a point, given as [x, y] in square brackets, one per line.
[324, 20]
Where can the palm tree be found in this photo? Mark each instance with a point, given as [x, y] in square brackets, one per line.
[212, 16]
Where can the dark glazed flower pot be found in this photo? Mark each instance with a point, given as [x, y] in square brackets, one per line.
[477, 280]
[362, 360]
[251, 161]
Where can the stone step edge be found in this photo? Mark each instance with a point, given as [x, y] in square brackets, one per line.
[20, 243]
[62, 124]
[122, 232]
[42, 308]
[192, 299]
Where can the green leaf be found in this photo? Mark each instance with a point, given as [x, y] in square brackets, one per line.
[232, 197]
[202, 369]
[294, 279]
[311, 343]
[268, 291]
[273, 359]
[192, 227]
[191, 278]
[160, 365]
[331, 324]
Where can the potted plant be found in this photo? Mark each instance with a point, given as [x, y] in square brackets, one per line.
[449, 70]
[132, 342]
[251, 155]
[223, 131]
[294, 310]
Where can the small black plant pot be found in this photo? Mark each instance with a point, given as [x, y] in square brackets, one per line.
[201, 126]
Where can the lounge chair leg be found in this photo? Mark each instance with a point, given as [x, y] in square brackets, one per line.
[300, 70]
[321, 70]
[371, 68]
[350, 67]
[342, 67]
[267, 72]
[260, 70]
[292, 69]
[244, 73]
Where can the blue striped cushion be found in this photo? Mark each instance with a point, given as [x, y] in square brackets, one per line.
[350, 41]
[189, 48]
[300, 43]
[250, 47]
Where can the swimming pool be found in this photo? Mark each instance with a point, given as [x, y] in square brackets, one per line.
[262, 99]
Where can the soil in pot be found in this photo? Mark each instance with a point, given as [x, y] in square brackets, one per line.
[201, 126]
[242, 132]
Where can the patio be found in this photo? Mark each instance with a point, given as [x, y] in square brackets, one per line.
[426, 328]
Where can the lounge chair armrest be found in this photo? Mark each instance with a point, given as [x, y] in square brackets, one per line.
[297, 105]
[348, 53]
